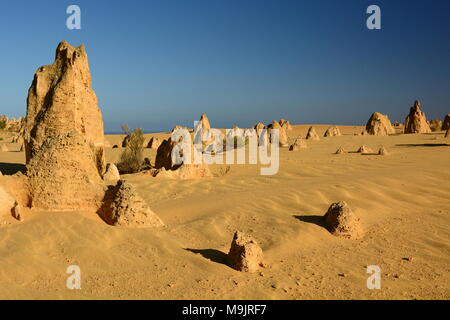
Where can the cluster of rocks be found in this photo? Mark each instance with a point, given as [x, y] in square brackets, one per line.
[11, 124]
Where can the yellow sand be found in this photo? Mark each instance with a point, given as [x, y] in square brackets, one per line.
[403, 200]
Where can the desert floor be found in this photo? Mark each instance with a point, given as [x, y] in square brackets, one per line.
[403, 200]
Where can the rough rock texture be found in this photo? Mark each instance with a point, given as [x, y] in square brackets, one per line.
[61, 100]
[340, 151]
[298, 144]
[63, 174]
[416, 122]
[446, 123]
[312, 134]
[332, 132]
[364, 149]
[154, 143]
[379, 125]
[245, 254]
[342, 222]
[123, 206]
[112, 173]
[447, 134]
[286, 124]
[435, 125]
[383, 151]
[164, 155]
[7, 202]
[178, 128]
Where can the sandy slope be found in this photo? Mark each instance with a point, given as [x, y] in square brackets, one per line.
[403, 199]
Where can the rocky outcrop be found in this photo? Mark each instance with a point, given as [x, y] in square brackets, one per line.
[282, 134]
[363, 149]
[286, 124]
[379, 125]
[383, 151]
[205, 122]
[435, 125]
[342, 222]
[416, 121]
[124, 207]
[340, 150]
[245, 254]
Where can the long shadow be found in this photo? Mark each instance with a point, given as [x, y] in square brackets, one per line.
[423, 145]
[211, 254]
[12, 168]
[317, 220]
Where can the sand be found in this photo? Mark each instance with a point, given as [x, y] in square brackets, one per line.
[403, 200]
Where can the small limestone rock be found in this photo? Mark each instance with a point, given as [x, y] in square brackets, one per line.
[383, 151]
[123, 206]
[332, 132]
[298, 144]
[363, 149]
[312, 134]
[245, 254]
[342, 222]
[435, 125]
[16, 211]
[154, 143]
[340, 150]
[112, 173]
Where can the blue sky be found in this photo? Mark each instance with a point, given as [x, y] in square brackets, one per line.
[156, 64]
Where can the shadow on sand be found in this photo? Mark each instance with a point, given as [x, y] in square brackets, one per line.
[12, 168]
[423, 145]
[211, 254]
[317, 220]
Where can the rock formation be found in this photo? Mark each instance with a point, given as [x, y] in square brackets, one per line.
[435, 125]
[363, 149]
[416, 122]
[446, 123]
[342, 222]
[340, 150]
[61, 100]
[259, 126]
[112, 173]
[379, 125]
[312, 134]
[17, 211]
[286, 124]
[383, 151]
[154, 143]
[298, 144]
[123, 206]
[447, 134]
[282, 134]
[332, 132]
[245, 254]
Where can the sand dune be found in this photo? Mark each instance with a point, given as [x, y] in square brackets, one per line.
[402, 199]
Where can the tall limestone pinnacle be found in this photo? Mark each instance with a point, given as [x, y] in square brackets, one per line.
[61, 100]
[63, 135]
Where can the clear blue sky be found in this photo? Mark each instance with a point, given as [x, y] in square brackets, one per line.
[158, 63]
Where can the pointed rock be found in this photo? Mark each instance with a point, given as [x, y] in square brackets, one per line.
[364, 149]
[416, 121]
[340, 150]
[298, 144]
[154, 143]
[383, 151]
[205, 122]
[379, 125]
[446, 123]
[245, 254]
[124, 207]
[312, 134]
[112, 173]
